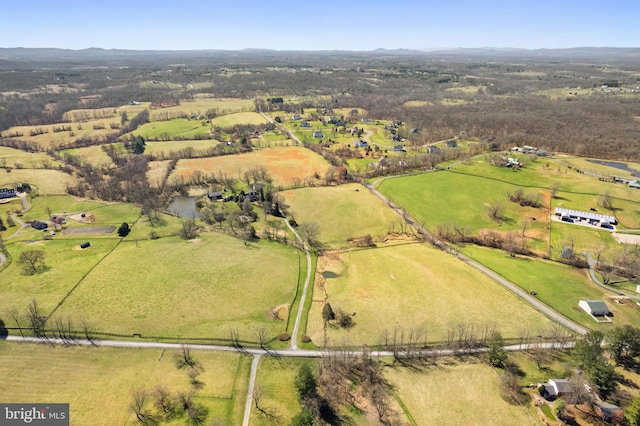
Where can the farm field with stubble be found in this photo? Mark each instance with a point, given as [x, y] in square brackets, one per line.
[285, 165]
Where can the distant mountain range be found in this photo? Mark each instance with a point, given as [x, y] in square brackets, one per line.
[52, 55]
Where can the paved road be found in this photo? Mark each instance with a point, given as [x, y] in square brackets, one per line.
[252, 383]
[296, 327]
[497, 278]
[291, 353]
[592, 263]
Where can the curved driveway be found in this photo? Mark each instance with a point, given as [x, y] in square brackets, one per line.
[537, 304]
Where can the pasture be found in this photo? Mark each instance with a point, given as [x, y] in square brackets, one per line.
[166, 148]
[559, 286]
[407, 287]
[436, 198]
[342, 212]
[454, 393]
[168, 130]
[10, 157]
[275, 379]
[66, 265]
[96, 212]
[157, 171]
[230, 120]
[98, 383]
[92, 155]
[183, 289]
[286, 165]
[47, 182]
[201, 105]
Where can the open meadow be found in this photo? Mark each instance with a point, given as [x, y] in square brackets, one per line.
[96, 212]
[342, 212]
[65, 264]
[46, 181]
[411, 287]
[10, 157]
[285, 165]
[165, 148]
[99, 383]
[95, 156]
[559, 286]
[199, 106]
[168, 130]
[181, 289]
[455, 393]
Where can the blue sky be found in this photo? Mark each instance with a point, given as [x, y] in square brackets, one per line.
[326, 24]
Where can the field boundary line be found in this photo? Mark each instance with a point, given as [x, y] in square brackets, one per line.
[88, 272]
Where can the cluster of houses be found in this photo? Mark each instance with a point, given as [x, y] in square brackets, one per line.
[595, 219]
[530, 150]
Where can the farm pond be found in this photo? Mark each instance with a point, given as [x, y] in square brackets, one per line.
[183, 207]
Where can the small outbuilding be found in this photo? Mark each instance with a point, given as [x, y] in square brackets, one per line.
[318, 134]
[597, 308]
[215, 195]
[85, 245]
[39, 225]
[608, 411]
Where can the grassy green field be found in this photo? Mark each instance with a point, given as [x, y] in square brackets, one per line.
[420, 194]
[455, 394]
[188, 289]
[102, 213]
[201, 105]
[231, 120]
[93, 155]
[66, 265]
[46, 181]
[98, 383]
[180, 127]
[285, 165]
[342, 212]
[29, 160]
[559, 286]
[167, 147]
[411, 287]
[275, 379]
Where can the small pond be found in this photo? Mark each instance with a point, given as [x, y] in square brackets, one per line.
[616, 165]
[183, 207]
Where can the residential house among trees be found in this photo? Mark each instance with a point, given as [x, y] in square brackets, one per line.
[7, 193]
[555, 388]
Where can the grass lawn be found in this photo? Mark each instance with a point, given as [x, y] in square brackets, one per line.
[98, 383]
[186, 289]
[455, 394]
[342, 212]
[396, 287]
[584, 239]
[66, 263]
[47, 181]
[559, 286]
[285, 165]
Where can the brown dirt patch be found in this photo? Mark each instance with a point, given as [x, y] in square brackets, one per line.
[626, 238]
[280, 312]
